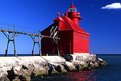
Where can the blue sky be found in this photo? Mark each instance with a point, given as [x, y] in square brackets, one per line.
[101, 18]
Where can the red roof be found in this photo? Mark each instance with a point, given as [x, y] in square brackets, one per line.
[69, 25]
[72, 6]
[58, 19]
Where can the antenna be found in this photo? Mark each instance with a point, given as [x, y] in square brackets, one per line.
[72, 1]
[14, 27]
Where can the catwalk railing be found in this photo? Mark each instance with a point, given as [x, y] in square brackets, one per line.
[11, 34]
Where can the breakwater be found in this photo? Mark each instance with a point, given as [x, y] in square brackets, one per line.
[28, 68]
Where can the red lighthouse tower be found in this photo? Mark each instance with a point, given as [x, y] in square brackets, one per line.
[73, 38]
[73, 14]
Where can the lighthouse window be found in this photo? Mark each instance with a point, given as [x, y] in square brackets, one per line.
[84, 37]
[72, 10]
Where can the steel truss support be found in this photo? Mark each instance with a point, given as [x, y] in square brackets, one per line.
[54, 34]
[36, 40]
[11, 38]
[11, 34]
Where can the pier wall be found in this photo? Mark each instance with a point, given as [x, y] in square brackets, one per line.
[28, 67]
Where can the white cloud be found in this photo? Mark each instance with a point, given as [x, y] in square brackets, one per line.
[112, 6]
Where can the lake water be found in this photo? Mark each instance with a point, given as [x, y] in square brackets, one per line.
[112, 72]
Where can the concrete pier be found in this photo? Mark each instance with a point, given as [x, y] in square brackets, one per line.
[29, 67]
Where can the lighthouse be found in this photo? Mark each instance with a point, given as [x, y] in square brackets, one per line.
[73, 38]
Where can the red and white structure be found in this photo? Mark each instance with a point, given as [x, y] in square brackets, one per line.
[73, 38]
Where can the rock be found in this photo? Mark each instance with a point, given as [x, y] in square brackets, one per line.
[70, 66]
[26, 68]
[93, 64]
[66, 68]
[58, 68]
[4, 78]
[50, 68]
[85, 68]
[100, 59]
[11, 75]
[68, 57]
[22, 78]
[62, 68]
[33, 75]
[16, 79]
[78, 67]
[101, 62]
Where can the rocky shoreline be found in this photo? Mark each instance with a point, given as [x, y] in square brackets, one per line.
[28, 68]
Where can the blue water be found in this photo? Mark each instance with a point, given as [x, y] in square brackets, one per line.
[112, 72]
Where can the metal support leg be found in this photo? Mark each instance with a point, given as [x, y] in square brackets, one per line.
[10, 37]
[14, 48]
[6, 51]
[39, 50]
[33, 49]
[36, 40]
[39, 43]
